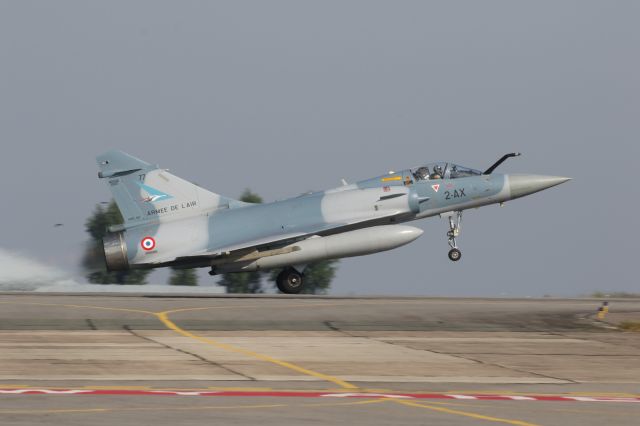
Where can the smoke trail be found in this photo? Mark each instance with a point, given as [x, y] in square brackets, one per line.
[20, 273]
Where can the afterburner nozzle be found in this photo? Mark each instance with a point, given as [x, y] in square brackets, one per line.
[521, 185]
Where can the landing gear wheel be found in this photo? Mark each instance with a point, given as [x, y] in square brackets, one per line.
[290, 281]
[454, 230]
[455, 254]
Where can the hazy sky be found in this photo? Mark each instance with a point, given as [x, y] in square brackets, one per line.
[285, 97]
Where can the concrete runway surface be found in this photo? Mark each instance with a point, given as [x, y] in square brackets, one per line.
[124, 359]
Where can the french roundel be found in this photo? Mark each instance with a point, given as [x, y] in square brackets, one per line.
[148, 243]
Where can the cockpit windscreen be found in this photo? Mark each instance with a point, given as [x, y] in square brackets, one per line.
[441, 170]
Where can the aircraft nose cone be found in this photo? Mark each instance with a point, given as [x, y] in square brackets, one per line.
[521, 185]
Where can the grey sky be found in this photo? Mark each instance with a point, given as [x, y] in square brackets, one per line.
[284, 97]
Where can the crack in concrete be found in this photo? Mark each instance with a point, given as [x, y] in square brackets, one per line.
[494, 364]
[333, 327]
[603, 329]
[201, 358]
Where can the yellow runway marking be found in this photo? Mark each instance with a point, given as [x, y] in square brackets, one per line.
[162, 316]
[206, 308]
[465, 413]
[140, 311]
[295, 305]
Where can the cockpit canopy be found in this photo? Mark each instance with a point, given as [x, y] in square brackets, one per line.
[443, 171]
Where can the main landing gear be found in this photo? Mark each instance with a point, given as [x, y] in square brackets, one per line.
[290, 281]
[454, 230]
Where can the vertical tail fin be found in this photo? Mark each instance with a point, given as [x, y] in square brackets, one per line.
[146, 193]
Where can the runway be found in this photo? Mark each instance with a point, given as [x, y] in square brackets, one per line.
[67, 359]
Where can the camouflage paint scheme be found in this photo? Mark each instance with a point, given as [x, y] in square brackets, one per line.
[172, 222]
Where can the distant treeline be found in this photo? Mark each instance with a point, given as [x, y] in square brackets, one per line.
[614, 294]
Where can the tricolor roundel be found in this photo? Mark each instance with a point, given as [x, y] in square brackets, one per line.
[148, 243]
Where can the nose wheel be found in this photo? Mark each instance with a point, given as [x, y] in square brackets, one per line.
[454, 231]
[455, 254]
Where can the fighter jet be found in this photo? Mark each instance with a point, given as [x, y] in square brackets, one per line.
[169, 221]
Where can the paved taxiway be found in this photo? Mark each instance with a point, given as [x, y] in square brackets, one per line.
[465, 347]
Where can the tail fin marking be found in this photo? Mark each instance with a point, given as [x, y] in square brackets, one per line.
[145, 193]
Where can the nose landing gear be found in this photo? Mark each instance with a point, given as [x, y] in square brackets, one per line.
[454, 230]
[455, 254]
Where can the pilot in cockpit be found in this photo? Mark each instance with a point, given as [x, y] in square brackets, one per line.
[437, 172]
[422, 173]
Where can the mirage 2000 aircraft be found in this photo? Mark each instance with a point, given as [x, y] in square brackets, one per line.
[169, 221]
